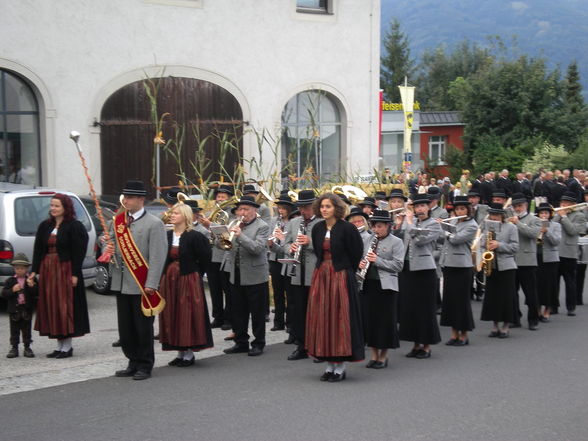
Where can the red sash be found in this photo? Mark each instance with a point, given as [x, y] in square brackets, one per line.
[151, 304]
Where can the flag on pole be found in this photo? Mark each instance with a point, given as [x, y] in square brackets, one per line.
[407, 97]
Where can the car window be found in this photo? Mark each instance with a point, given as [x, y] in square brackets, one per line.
[30, 211]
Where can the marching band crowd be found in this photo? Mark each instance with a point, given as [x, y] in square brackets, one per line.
[345, 273]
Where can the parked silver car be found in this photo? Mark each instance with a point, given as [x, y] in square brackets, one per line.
[22, 209]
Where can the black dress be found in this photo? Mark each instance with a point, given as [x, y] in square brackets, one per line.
[457, 307]
[379, 312]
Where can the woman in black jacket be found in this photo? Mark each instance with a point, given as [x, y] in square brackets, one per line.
[184, 325]
[59, 250]
[333, 321]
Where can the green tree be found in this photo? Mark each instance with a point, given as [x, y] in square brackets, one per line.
[396, 63]
[576, 114]
[442, 72]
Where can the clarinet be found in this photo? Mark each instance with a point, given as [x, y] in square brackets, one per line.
[361, 273]
[298, 252]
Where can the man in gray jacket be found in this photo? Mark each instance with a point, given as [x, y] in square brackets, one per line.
[249, 275]
[135, 329]
[528, 227]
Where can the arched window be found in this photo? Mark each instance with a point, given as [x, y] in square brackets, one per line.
[19, 131]
[311, 137]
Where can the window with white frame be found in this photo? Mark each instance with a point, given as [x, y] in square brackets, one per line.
[437, 146]
[315, 6]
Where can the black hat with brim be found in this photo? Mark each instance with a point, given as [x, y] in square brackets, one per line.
[473, 194]
[380, 216]
[250, 188]
[496, 209]
[356, 212]
[543, 206]
[134, 188]
[499, 194]
[369, 201]
[518, 198]
[193, 205]
[397, 193]
[171, 196]
[305, 197]
[461, 200]
[569, 196]
[247, 200]
[421, 198]
[434, 192]
[380, 195]
[284, 199]
[224, 189]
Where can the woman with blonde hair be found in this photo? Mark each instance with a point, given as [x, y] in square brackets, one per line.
[184, 324]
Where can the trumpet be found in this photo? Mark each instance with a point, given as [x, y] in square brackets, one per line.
[181, 197]
[226, 243]
[571, 207]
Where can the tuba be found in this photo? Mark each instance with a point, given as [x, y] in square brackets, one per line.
[219, 215]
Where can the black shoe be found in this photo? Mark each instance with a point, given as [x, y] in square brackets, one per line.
[176, 361]
[380, 364]
[370, 364]
[141, 375]
[237, 349]
[128, 372]
[335, 378]
[186, 363]
[53, 354]
[155, 337]
[503, 334]
[451, 342]
[65, 354]
[28, 352]
[116, 344]
[326, 376]
[255, 351]
[571, 314]
[462, 342]
[413, 353]
[226, 326]
[230, 337]
[494, 334]
[316, 360]
[13, 353]
[533, 326]
[515, 325]
[544, 319]
[298, 354]
[278, 328]
[422, 354]
[290, 340]
[216, 323]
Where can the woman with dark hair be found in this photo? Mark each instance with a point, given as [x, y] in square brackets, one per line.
[384, 258]
[59, 250]
[456, 261]
[184, 325]
[333, 322]
[502, 238]
[547, 261]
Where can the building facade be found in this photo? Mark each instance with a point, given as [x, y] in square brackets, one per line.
[304, 71]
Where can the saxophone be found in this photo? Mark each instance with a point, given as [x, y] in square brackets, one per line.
[361, 273]
[488, 256]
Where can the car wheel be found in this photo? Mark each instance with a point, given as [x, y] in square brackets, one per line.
[102, 282]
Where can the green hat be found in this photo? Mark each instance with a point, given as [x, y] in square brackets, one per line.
[20, 259]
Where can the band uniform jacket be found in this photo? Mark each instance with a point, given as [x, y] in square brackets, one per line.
[438, 212]
[202, 230]
[551, 240]
[308, 256]
[480, 213]
[346, 245]
[528, 228]
[508, 240]
[572, 226]
[252, 247]
[265, 213]
[194, 251]
[275, 249]
[421, 246]
[150, 237]
[390, 260]
[456, 252]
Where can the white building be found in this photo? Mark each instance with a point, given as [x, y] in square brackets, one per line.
[62, 62]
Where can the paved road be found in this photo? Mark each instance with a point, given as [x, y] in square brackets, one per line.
[531, 386]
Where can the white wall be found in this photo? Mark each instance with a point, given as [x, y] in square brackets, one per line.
[262, 51]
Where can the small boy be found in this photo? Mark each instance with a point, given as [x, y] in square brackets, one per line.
[21, 294]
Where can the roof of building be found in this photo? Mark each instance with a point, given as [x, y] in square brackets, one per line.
[441, 119]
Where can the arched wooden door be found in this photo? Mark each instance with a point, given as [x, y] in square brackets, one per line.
[127, 131]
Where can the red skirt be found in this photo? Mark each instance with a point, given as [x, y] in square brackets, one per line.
[333, 322]
[184, 322]
[55, 309]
